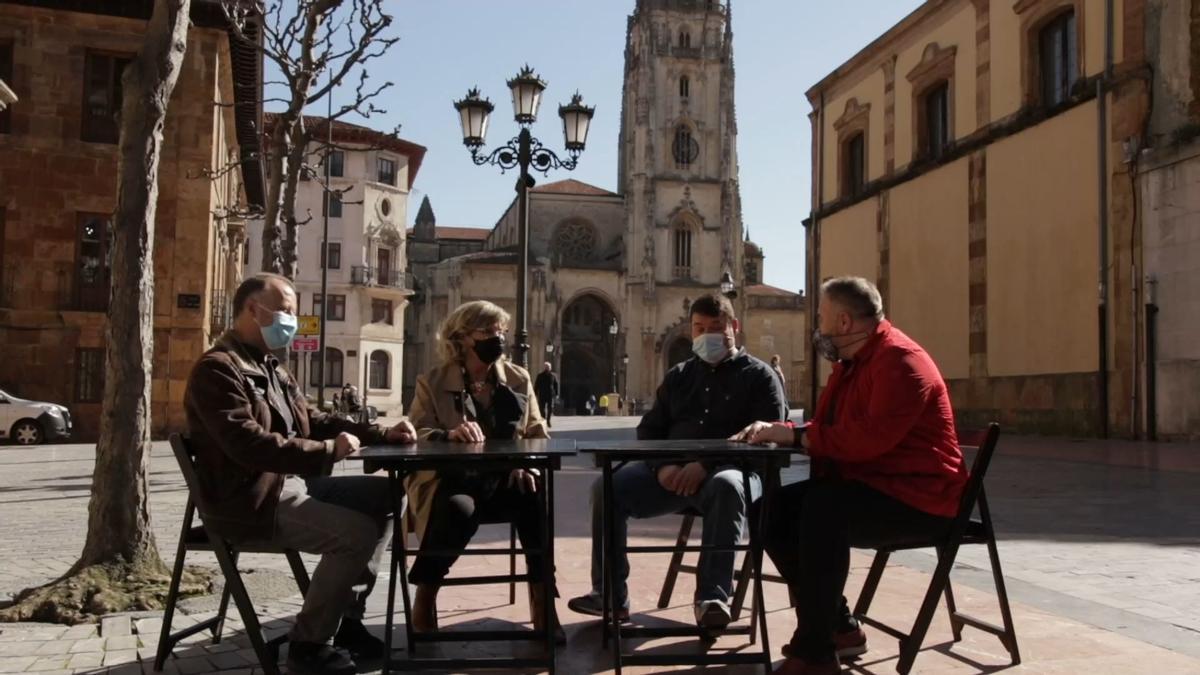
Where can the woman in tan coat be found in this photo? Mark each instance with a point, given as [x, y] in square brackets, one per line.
[475, 394]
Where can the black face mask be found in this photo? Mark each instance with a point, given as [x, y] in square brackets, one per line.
[491, 349]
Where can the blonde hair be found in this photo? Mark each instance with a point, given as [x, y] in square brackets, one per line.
[469, 317]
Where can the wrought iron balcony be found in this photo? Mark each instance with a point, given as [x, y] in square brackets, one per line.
[362, 275]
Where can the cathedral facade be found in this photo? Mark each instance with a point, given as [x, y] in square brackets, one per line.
[613, 273]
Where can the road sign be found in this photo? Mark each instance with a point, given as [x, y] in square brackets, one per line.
[306, 344]
[310, 324]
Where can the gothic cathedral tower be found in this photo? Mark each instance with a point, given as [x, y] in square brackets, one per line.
[678, 172]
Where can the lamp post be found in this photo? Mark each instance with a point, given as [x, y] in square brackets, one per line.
[625, 370]
[523, 152]
[727, 287]
[613, 329]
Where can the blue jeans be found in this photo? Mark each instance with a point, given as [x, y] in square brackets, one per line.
[721, 500]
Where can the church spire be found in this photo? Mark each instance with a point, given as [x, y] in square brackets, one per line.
[425, 227]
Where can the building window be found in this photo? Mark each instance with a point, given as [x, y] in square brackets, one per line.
[387, 171]
[685, 39]
[854, 165]
[6, 74]
[92, 262]
[381, 311]
[102, 97]
[380, 370]
[89, 375]
[333, 368]
[246, 253]
[684, 149]
[332, 252]
[684, 86]
[681, 246]
[337, 163]
[936, 109]
[1058, 64]
[332, 206]
[337, 307]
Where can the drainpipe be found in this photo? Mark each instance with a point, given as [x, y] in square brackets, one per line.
[814, 292]
[1151, 358]
[1102, 148]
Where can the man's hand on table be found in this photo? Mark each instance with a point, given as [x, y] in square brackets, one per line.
[761, 433]
[344, 445]
[683, 480]
[467, 432]
[403, 432]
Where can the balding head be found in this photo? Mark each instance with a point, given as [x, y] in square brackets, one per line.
[546, 367]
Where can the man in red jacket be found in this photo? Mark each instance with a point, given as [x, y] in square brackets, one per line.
[886, 468]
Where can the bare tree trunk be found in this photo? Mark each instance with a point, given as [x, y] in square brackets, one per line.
[272, 252]
[119, 511]
[290, 222]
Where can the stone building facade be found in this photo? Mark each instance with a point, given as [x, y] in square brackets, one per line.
[971, 161]
[614, 272]
[367, 272]
[58, 168]
[1167, 163]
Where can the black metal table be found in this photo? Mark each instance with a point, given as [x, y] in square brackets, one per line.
[612, 455]
[402, 460]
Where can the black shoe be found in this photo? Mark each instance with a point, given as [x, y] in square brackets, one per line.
[312, 658]
[354, 637]
[593, 605]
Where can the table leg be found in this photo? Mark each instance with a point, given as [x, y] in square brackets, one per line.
[548, 586]
[612, 550]
[756, 550]
[396, 490]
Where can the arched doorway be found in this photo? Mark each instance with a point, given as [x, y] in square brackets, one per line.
[587, 351]
[679, 351]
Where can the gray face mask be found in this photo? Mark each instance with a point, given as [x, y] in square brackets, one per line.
[828, 350]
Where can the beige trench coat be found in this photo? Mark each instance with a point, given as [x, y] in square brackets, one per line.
[433, 410]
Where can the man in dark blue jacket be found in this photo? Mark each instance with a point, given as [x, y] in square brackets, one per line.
[713, 395]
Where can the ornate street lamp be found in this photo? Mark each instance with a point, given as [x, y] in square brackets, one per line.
[524, 152]
[625, 370]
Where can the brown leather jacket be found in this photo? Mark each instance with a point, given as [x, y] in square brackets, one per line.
[242, 450]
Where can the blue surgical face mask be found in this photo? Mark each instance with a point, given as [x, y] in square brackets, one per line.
[710, 347]
[281, 330]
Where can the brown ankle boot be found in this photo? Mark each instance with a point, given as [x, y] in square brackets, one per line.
[424, 609]
[537, 596]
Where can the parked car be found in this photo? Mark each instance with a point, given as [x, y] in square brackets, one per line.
[32, 422]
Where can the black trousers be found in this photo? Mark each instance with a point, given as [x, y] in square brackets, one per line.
[547, 407]
[810, 528]
[461, 504]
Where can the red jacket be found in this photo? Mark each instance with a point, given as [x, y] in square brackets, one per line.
[884, 419]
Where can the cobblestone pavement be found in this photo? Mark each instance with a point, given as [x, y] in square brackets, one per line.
[1105, 556]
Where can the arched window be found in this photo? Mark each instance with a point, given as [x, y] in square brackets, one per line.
[681, 251]
[333, 368]
[381, 370]
[685, 39]
[684, 86]
[684, 148]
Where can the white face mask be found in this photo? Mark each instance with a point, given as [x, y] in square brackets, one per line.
[710, 347]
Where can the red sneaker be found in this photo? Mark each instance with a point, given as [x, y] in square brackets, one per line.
[797, 666]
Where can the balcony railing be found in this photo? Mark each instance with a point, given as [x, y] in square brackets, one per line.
[682, 272]
[361, 275]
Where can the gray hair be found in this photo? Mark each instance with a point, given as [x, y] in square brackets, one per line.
[857, 295]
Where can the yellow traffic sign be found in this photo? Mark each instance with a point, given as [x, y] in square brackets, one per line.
[310, 324]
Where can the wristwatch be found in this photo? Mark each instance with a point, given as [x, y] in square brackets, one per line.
[798, 436]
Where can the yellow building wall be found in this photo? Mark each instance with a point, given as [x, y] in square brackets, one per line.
[1042, 248]
[929, 260]
[849, 245]
[957, 31]
[867, 91]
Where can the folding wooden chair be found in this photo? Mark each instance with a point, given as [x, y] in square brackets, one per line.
[964, 530]
[202, 538]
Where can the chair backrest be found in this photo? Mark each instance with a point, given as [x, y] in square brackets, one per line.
[187, 466]
[985, 440]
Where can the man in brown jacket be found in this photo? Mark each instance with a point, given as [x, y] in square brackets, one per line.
[263, 459]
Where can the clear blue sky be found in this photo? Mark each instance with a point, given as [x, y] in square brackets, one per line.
[781, 48]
